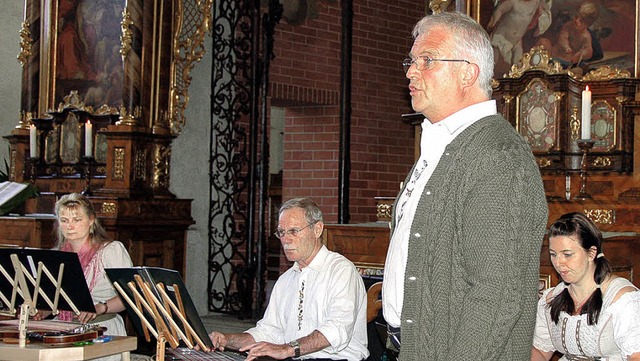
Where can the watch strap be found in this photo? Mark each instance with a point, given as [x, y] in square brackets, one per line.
[296, 348]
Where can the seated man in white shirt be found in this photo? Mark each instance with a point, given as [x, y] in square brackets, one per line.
[317, 308]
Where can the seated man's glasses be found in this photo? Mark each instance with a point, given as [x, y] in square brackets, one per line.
[425, 62]
[280, 233]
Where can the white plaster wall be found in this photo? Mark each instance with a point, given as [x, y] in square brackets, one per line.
[10, 72]
[190, 176]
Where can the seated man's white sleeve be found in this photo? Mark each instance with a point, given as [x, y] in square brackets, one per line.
[347, 299]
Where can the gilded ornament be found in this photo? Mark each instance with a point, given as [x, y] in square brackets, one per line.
[25, 120]
[72, 100]
[606, 72]
[536, 59]
[12, 170]
[438, 6]
[161, 166]
[621, 99]
[26, 42]
[383, 211]
[601, 162]
[126, 38]
[118, 163]
[129, 118]
[543, 162]
[574, 123]
[601, 216]
[108, 208]
[192, 26]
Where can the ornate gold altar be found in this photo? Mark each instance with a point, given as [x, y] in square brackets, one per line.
[104, 89]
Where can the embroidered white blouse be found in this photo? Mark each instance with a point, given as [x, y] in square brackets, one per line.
[613, 338]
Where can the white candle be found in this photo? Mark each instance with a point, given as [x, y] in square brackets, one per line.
[586, 113]
[88, 139]
[33, 141]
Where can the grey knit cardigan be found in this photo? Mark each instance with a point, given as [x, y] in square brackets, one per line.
[470, 287]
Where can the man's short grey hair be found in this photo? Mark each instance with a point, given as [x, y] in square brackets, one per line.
[312, 212]
[470, 42]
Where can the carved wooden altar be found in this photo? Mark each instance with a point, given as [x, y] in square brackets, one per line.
[104, 89]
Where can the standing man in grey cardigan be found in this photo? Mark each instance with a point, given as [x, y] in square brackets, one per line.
[461, 274]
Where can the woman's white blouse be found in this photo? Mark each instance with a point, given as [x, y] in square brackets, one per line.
[613, 338]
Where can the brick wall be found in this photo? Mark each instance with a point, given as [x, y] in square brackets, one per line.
[305, 79]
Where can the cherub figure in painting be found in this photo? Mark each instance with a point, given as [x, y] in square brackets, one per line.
[510, 21]
[575, 43]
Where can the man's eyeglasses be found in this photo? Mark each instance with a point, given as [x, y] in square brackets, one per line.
[425, 62]
[291, 231]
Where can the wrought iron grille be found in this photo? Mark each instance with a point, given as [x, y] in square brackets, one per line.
[230, 103]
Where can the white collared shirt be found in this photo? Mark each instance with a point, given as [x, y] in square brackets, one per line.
[333, 301]
[433, 141]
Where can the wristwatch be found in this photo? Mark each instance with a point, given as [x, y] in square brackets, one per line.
[296, 348]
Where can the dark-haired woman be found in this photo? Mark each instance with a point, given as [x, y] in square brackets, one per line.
[593, 314]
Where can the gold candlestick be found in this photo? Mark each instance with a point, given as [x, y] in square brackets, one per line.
[585, 145]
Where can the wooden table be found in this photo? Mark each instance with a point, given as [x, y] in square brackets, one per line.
[39, 352]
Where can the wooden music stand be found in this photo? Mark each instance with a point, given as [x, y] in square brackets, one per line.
[169, 319]
[22, 278]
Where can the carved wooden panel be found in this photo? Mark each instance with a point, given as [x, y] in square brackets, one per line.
[365, 245]
[34, 232]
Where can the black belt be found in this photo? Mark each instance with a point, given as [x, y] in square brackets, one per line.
[394, 336]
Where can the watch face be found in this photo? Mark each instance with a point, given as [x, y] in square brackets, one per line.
[296, 347]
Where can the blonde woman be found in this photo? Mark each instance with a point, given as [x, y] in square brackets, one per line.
[79, 231]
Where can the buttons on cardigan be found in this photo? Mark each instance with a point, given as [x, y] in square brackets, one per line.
[408, 321]
[428, 193]
[412, 278]
[417, 235]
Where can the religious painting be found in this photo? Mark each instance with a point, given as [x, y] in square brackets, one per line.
[85, 51]
[580, 34]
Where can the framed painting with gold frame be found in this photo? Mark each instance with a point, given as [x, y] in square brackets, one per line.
[81, 52]
[614, 30]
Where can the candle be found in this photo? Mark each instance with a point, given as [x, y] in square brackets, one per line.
[586, 113]
[88, 139]
[33, 141]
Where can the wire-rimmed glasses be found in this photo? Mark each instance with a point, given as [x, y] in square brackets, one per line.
[280, 233]
[425, 62]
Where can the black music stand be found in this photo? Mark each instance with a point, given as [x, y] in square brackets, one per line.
[46, 279]
[158, 302]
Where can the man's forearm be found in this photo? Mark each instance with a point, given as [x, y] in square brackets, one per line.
[313, 342]
[237, 340]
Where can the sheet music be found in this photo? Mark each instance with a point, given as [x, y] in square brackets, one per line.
[8, 190]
